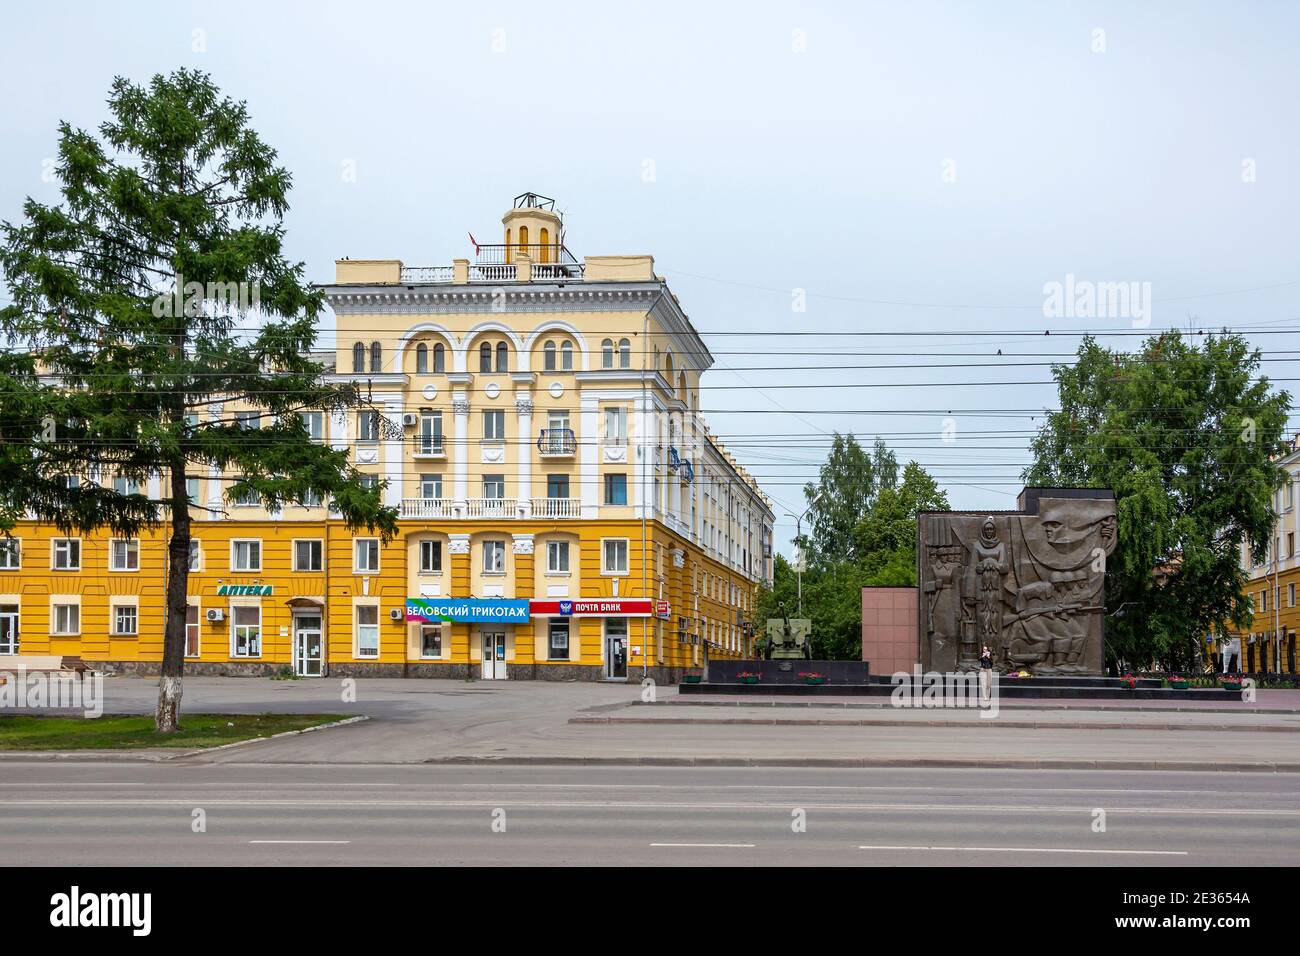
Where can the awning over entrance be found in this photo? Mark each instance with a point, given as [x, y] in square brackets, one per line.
[306, 602]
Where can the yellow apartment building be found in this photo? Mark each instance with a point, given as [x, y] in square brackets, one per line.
[1269, 646]
[564, 511]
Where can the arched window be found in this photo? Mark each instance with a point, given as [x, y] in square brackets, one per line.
[544, 237]
[607, 353]
[566, 356]
[548, 361]
[376, 357]
[422, 359]
[523, 238]
[358, 358]
[503, 357]
[439, 358]
[624, 353]
[485, 357]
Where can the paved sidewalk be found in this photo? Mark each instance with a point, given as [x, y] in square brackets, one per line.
[427, 721]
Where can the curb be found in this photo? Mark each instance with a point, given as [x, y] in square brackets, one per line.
[882, 722]
[867, 762]
[1004, 704]
[258, 740]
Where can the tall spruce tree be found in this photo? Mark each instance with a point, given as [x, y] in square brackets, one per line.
[1187, 436]
[153, 296]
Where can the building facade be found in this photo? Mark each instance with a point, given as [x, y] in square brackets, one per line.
[1269, 644]
[564, 511]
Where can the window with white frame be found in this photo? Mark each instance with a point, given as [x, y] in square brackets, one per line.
[11, 554]
[66, 554]
[557, 645]
[557, 557]
[614, 555]
[616, 426]
[126, 486]
[431, 641]
[309, 555]
[430, 557]
[124, 554]
[367, 621]
[246, 631]
[248, 420]
[248, 498]
[494, 557]
[246, 554]
[494, 487]
[368, 426]
[430, 433]
[494, 425]
[192, 490]
[192, 630]
[126, 620]
[430, 487]
[365, 555]
[65, 619]
[314, 422]
[196, 554]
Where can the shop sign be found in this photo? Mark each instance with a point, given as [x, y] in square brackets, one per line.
[606, 607]
[467, 610]
[245, 590]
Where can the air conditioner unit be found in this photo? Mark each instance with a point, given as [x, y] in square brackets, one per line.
[397, 614]
[409, 419]
[215, 614]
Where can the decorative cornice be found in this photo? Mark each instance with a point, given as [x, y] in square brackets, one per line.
[518, 297]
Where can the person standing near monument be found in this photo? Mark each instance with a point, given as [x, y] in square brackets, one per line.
[986, 673]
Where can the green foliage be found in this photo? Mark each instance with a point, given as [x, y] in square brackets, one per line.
[177, 191]
[151, 298]
[1186, 436]
[877, 550]
[845, 490]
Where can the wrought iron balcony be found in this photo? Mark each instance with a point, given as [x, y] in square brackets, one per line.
[557, 443]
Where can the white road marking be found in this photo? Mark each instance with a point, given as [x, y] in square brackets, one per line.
[1027, 849]
[629, 805]
[725, 846]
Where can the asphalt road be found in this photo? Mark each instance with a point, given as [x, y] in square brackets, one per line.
[118, 813]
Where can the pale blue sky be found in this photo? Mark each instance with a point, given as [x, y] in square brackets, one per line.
[774, 169]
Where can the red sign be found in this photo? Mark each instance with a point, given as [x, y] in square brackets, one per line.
[663, 611]
[600, 607]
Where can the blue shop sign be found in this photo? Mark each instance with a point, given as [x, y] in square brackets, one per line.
[467, 610]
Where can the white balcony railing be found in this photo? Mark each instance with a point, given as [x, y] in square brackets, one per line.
[491, 508]
[413, 274]
[426, 508]
[494, 273]
[557, 507]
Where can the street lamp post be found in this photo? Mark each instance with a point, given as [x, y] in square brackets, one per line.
[798, 537]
